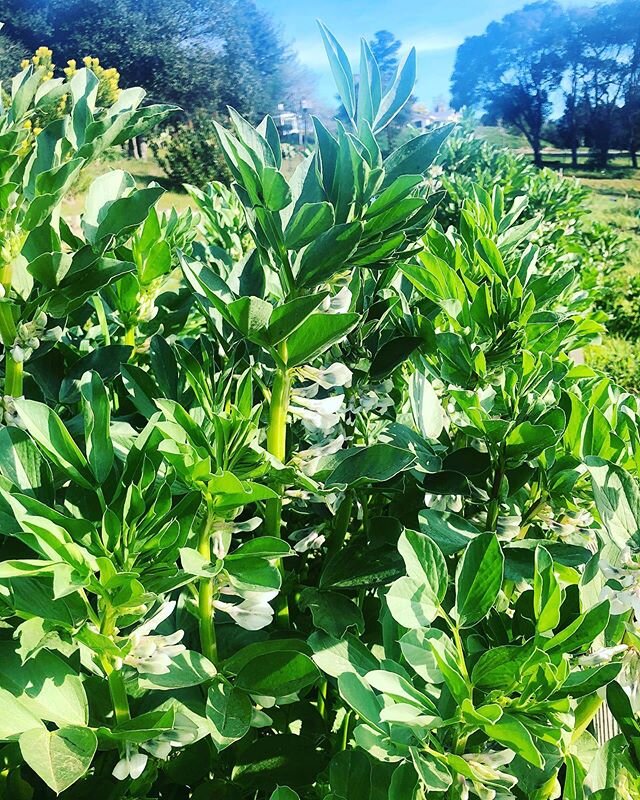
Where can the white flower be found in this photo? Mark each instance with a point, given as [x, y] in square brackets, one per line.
[153, 654]
[627, 596]
[339, 303]
[223, 531]
[629, 678]
[329, 377]
[376, 399]
[322, 415]
[184, 732]
[309, 460]
[311, 541]
[443, 502]
[489, 782]
[131, 765]
[10, 414]
[602, 656]
[20, 354]
[253, 613]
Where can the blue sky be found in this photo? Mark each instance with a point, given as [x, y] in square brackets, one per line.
[434, 27]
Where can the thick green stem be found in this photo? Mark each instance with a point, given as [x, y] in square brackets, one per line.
[117, 689]
[119, 698]
[13, 376]
[207, 629]
[130, 336]
[277, 446]
[494, 504]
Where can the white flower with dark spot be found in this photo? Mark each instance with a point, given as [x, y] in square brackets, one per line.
[153, 653]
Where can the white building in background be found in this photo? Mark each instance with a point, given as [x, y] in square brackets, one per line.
[423, 117]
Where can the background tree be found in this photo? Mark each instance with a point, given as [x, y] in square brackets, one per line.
[199, 54]
[603, 77]
[511, 70]
[625, 15]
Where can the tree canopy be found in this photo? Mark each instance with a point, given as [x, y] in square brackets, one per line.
[543, 54]
[195, 53]
[512, 68]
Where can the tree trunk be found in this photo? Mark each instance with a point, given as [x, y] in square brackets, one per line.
[633, 154]
[537, 155]
[574, 156]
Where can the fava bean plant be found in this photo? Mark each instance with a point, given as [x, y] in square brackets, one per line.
[302, 495]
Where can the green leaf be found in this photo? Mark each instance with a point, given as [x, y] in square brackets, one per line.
[45, 685]
[188, 668]
[277, 194]
[620, 706]
[374, 464]
[425, 406]
[114, 205]
[307, 223]
[415, 156]
[451, 532]
[284, 793]
[317, 334]
[229, 712]
[332, 612]
[478, 579]
[46, 427]
[22, 463]
[411, 603]
[434, 775]
[337, 656]
[357, 693]
[582, 631]
[15, 718]
[278, 674]
[144, 727]
[587, 680]
[327, 254]
[618, 501]
[96, 410]
[424, 562]
[500, 667]
[526, 441]
[399, 93]
[251, 316]
[341, 70]
[59, 757]
[547, 594]
[510, 732]
[288, 317]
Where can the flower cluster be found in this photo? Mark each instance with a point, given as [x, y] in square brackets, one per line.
[153, 653]
[42, 59]
[109, 79]
[30, 335]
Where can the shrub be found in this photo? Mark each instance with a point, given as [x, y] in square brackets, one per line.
[189, 153]
[339, 514]
[618, 358]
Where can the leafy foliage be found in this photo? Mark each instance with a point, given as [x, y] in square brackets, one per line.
[302, 494]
